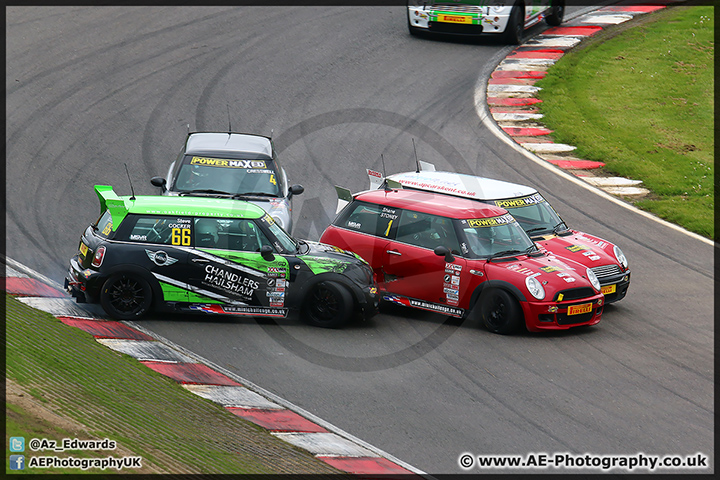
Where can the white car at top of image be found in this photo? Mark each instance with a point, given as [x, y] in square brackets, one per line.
[507, 19]
[534, 214]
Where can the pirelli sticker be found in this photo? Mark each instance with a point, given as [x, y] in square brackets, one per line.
[520, 202]
[227, 163]
[490, 222]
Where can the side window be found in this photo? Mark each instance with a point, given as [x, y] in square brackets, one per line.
[160, 229]
[104, 225]
[427, 231]
[229, 234]
[369, 218]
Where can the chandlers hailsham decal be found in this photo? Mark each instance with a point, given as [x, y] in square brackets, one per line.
[230, 281]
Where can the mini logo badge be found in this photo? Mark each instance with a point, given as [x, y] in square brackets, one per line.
[160, 258]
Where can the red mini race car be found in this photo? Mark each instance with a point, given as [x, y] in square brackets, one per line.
[534, 214]
[460, 257]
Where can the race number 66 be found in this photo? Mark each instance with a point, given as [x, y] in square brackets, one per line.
[180, 236]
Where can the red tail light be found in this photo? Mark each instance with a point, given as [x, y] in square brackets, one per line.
[98, 258]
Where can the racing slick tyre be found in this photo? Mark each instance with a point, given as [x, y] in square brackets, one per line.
[328, 305]
[558, 12]
[516, 25]
[499, 311]
[126, 296]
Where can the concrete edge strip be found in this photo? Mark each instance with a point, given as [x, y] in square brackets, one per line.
[329, 446]
[483, 113]
[279, 400]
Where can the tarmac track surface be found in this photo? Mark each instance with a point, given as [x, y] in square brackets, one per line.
[89, 89]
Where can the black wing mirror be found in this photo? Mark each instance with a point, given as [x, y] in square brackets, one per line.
[159, 182]
[295, 190]
[266, 252]
[441, 251]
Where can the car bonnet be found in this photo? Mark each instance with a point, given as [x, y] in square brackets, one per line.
[585, 249]
[322, 258]
[553, 273]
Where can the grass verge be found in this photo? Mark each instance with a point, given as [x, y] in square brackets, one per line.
[640, 97]
[98, 393]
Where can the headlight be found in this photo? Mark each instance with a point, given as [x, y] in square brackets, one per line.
[278, 220]
[593, 279]
[497, 6]
[534, 287]
[620, 257]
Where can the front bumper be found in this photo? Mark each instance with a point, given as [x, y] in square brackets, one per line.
[540, 316]
[615, 288]
[469, 23]
[369, 301]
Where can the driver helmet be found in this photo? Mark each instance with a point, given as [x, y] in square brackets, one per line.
[207, 227]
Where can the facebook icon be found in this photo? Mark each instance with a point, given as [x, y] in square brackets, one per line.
[17, 462]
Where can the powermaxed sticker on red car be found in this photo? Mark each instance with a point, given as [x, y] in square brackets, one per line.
[490, 222]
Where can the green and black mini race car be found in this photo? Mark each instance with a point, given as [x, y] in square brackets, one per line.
[214, 256]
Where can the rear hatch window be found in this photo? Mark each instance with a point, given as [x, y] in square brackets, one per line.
[102, 228]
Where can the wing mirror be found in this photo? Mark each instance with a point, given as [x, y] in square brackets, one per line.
[441, 251]
[295, 190]
[266, 252]
[159, 182]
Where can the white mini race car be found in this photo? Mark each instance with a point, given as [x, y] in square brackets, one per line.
[506, 18]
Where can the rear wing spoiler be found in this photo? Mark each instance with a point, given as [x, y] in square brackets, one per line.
[111, 202]
[344, 197]
[377, 179]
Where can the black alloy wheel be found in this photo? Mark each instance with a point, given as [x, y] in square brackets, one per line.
[328, 305]
[126, 296]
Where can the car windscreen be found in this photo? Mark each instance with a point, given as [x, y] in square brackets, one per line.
[280, 239]
[485, 237]
[533, 212]
[205, 174]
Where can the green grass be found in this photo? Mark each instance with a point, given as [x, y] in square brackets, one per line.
[640, 97]
[114, 396]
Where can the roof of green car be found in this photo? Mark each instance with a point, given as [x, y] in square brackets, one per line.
[170, 205]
